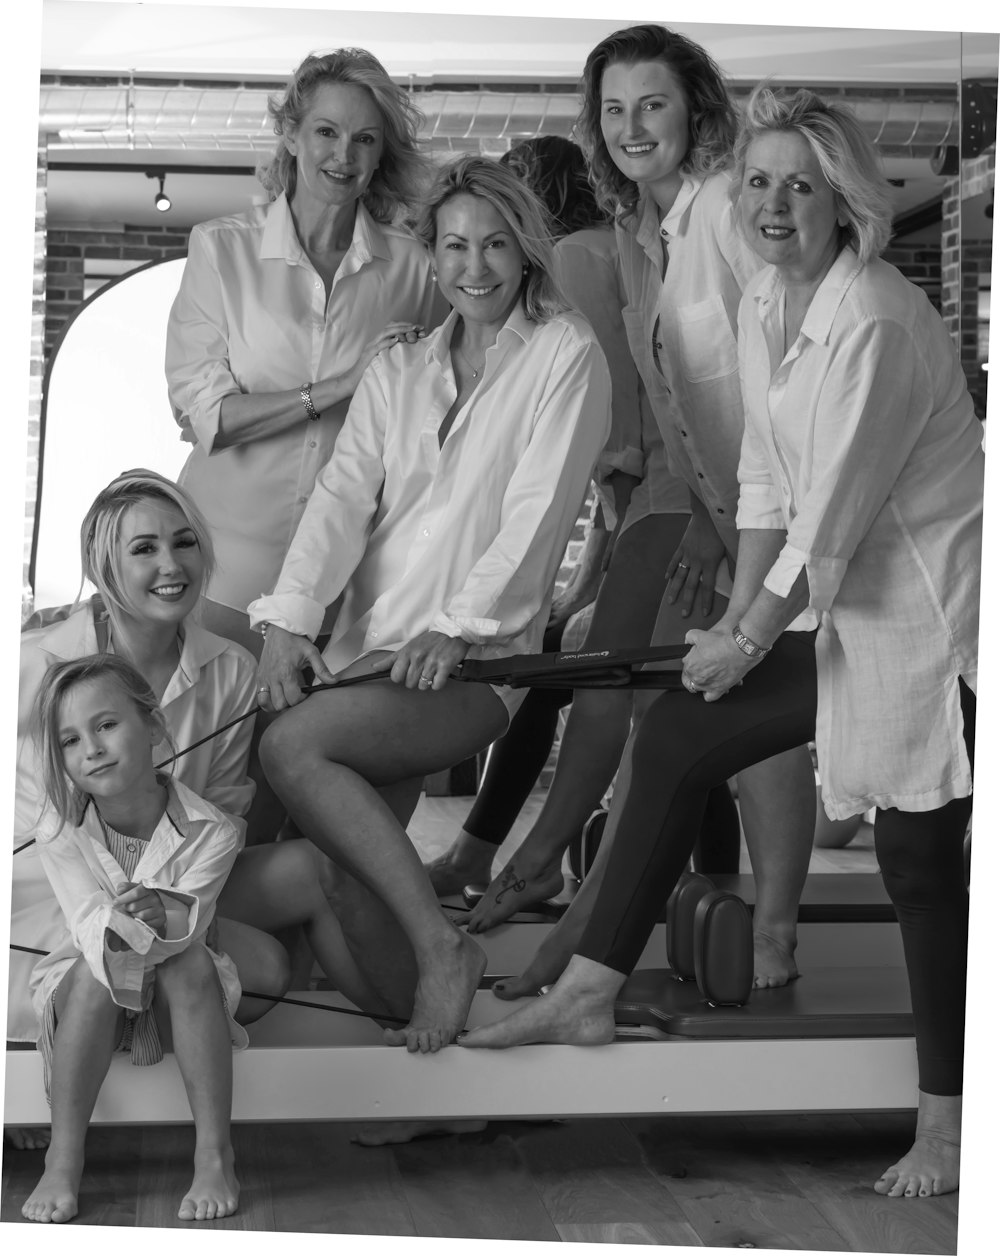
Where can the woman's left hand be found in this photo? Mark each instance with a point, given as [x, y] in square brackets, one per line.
[716, 664]
[426, 661]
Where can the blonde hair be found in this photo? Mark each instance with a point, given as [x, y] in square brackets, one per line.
[66, 798]
[523, 212]
[711, 116]
[849, 160]
[402, 170]
[100, 534]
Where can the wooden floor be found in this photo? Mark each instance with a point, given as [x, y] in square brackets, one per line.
[783, 1182]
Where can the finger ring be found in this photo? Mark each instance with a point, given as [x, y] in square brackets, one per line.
[683, 566]
[427, 680]
[262, 689]
[690, 686]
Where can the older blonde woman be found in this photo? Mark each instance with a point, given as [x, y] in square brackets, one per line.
[441, 519]
[861, 495]
[281, 308]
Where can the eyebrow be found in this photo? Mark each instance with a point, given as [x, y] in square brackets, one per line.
[454, 235]
[616, 100]
[372, 126]
[154, 536]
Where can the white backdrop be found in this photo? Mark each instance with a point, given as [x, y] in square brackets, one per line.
[107, 411]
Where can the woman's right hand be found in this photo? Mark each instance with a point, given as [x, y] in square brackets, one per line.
[279, 674]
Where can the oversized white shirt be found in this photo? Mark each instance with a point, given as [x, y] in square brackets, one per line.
[212, 684]
[682, 332]
[187, 860]
[466, 538]
[252, 316]
[589, 273]
[863, 444]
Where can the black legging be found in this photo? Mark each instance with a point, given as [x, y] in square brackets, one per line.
[922, 860]
[685, 745]
[517, 759]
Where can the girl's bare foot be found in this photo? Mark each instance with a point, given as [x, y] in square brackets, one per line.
[385, 1133]
[773, 961]
[469, 861]
[520, 886]
[445, 989]
[549, 962]
[55, 1196]
[931, 1166]
[577, 1011]
[214, 1192]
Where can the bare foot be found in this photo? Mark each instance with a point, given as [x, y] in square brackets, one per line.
[468, 861]
[549, 961]
[773, 961]
[445, 988]
[55, 1196]
[578, 1011]
[931, 1166]
[28, 1137]
[520, 886]
[214, 1191]
[384, 1133]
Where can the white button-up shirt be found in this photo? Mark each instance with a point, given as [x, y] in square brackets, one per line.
[589, 272]
[682, 331]
[213, 683]
[863, 444]
[251, 316]
[465, 538]
[187, 860]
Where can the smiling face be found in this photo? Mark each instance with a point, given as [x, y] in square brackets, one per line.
[160, 562]
[337, 146]
[105, 740]
[789, 212]
[644, 121]
[479, 261]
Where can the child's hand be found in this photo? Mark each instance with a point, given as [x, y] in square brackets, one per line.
[145, 905]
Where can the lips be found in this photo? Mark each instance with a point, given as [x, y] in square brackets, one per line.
[777, 233]
[637, 150]
[338, 176]
[169, 592]
[105, 767]
[478, 292]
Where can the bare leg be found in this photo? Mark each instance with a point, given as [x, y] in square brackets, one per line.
[189, 986]
[627, 609]
[328, 759]
[89, 1025]
[931, 1165]
[261, 962]
[579, 1010]
[778, 805]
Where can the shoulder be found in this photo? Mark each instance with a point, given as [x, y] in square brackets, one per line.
[219, 662]
[595, 241]
[403, 245]
[880, 290]
[189, 808]
[565, 332]
[232, 225]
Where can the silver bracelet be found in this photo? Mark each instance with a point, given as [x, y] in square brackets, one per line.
[305, 396]
[750, 648]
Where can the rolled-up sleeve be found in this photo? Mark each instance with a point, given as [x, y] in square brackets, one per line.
[197, 353]
[871, 407]
[334, 529]
[506, 587]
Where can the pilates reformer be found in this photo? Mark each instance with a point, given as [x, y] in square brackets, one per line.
[840, 1038]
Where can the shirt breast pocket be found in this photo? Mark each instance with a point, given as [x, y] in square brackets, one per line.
[706, 341]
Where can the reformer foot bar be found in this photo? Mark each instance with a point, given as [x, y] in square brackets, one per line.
[839, 1038]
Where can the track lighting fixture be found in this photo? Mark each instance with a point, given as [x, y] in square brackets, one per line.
[161, 200]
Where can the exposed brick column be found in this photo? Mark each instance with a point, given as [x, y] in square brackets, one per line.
[37, 366]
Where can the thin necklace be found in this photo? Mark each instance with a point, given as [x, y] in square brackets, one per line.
[475, 373]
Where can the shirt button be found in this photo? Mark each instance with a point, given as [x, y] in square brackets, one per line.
[719, 510]
[374, 635]
[700, 476]
[426, 532]
[303, 499]
[316, 283]
[312, 444]
[659, 344]
[663, 232]
[683, 433]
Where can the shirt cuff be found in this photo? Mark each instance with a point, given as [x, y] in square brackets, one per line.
[628, 460]
[759, 508]
[292, 611]
[475, 631]
[181, 910]
[824, 576]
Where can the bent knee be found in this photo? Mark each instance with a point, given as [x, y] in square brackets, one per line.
[190, 969]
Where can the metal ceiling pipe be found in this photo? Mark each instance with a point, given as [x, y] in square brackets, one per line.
[236, 119]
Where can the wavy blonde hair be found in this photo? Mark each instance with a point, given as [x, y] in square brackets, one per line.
[849, 160]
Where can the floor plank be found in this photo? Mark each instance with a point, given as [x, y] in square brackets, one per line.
[592, 1173]
[730, 1189]
[472, 1186]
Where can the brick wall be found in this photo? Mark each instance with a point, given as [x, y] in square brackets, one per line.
[37, 364]
[69, 248]
[962, 264]
[921, 264]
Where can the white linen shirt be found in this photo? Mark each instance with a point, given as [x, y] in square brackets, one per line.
[186, 860]
[213, 683]
[252, 316]
[465, 539]
[863, 444]
[691, 310]
[589, 272]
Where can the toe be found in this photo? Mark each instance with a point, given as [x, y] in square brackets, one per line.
[396, 1037]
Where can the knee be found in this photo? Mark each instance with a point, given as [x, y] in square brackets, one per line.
[81, 989]
[283, 752]
[272, 967]
[191, 972]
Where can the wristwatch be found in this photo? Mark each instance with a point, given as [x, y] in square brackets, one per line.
[750, 648]
[305, 396]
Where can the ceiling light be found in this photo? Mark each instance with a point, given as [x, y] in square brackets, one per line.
[161, 200]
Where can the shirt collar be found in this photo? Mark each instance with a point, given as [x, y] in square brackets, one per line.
[650, 225]
[518, 324]
[827, 298]
[280, 240]
[184, 811]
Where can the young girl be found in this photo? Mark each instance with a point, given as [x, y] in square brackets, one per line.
[136, 861]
